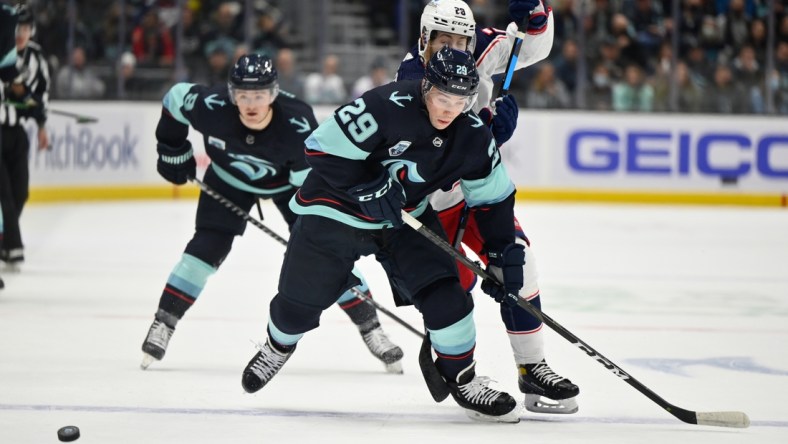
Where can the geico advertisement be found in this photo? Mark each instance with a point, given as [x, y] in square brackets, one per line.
[649, 151]
[117, 149]
[548, 149]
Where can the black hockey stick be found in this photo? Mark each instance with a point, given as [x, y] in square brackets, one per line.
[246, 216]
[78, 117]
[720, 419]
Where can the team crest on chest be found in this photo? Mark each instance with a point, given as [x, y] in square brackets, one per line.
[438, 142]
[249, 139]
[399, 148]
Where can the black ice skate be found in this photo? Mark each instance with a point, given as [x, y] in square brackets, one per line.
[155, 344]
[481, 402]
[263, 367]
[379, 344]
[545, 391]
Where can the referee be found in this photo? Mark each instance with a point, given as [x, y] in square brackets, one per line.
[7, 73]
[27, 96]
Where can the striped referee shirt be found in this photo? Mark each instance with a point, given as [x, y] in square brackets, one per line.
[34, 74]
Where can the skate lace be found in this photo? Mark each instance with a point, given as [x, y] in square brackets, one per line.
[268, 363]
[159, 334]
[377, 341]
[478, 392]
[544, 373]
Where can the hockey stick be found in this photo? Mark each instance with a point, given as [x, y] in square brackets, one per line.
[246, 216]
[502, 92]
[78, 117]
[719, 419]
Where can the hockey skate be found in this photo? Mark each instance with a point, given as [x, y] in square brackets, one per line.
[545, 391]
[480, 402]
[13, 258]
[155, 344]
[379, 345]
[263, 366]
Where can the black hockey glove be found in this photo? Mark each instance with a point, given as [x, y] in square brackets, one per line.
[519, 10]
[505, 119]
[507, 267]
[381, 199]
[176, 165]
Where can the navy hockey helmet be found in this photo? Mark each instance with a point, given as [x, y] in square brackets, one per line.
[453, 72]
[253, 72]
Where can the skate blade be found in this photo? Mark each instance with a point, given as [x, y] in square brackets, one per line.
[540, 404]
[147, 360]
[512, 417]
[394, 367]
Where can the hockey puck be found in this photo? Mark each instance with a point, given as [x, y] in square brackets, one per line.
[68, 433]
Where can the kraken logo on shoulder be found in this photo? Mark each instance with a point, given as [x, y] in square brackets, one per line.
[397, 99]
[252, 167]
[399, 148]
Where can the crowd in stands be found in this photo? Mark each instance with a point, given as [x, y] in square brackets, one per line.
[624, 48]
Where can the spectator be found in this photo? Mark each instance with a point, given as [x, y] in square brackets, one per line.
[547, 91]
[599, 95]
[271, 32]
[723, 95]
[566, 65]
[219, 55]
[78, 81]
[134, 88]
[634, 93]
[290, 79]
[378, 76]
[689, 93]
[151, 42]
[325, 87]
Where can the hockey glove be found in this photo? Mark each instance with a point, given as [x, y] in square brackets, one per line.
[176, 165]
[519, 10]
[381, 199]
[507, 267]
[505, 119]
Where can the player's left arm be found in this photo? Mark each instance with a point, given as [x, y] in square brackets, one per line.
[490, 192]
[299, 168]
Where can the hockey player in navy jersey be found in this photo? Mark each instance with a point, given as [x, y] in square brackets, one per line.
[385, 152]
[254, 135]
[451, 23]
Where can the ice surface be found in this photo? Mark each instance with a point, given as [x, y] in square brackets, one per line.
[691, 301]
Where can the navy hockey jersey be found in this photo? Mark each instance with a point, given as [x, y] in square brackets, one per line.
[265, 162]
[388, 130]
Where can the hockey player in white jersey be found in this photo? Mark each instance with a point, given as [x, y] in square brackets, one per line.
[451, 23]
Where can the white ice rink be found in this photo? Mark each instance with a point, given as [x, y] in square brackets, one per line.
[692, 301]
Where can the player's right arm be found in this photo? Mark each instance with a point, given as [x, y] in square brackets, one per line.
[176, 159]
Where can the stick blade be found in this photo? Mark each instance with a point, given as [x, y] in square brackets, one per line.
[738, 420]
[435, 382]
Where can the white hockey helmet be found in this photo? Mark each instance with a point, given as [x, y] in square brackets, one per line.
[453, 16]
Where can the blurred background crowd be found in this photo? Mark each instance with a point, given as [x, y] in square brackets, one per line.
[709, 56]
